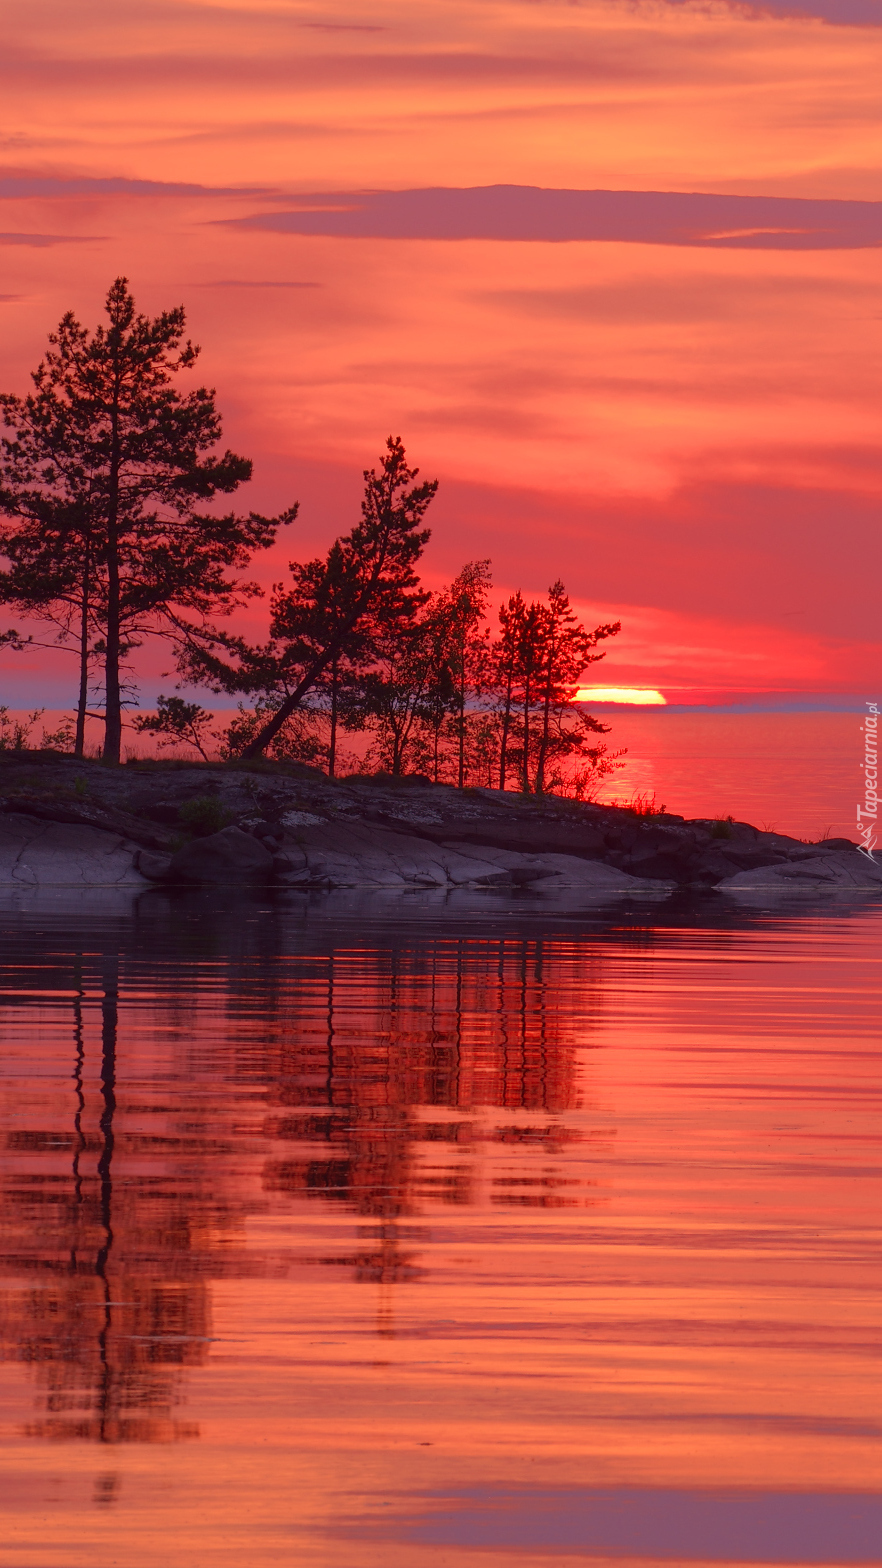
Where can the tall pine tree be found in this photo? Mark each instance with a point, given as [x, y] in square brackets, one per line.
[101, 481]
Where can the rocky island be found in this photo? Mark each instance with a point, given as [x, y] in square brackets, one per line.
[72, 822]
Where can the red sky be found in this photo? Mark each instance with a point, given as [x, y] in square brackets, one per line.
[671, 404]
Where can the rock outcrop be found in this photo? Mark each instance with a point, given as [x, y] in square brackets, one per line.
[37, 853]
[838, 872]
[228, 858]
[253, 824]
[362, 855]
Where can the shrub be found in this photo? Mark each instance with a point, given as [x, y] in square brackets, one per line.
[61, 739]
[204, 815]
[641, 806]
[14, 735]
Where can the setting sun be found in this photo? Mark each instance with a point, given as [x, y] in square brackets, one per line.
[625, 694]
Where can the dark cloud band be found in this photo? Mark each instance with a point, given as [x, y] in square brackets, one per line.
[840, 13]
[22, 184]
[43, 241]
[525, 212]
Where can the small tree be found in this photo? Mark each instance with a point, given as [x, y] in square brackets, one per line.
[393, 696]
[461, 609]
[538, 658]
[178, 723]
[565, 651]
[529, 654]
[438, 698]
[15, 734]
[306, 618]
[367, 586]
[505, 657]
[101, 481]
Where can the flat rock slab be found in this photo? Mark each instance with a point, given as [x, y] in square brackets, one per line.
[35, 853]
[843, 871]
[363, 855]
[565, 871]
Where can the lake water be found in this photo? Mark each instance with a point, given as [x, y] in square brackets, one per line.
[796, 773]
[351, 1233]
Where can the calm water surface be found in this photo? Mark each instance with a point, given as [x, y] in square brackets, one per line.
[346, 1234]
[795, 773]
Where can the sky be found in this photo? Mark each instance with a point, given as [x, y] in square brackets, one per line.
[609, 267]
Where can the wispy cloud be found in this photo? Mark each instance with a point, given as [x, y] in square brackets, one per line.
[43, 241]
[839, 13]
[20, 184]
[289, 69]
[254, 283]
[700, 297]
[344, 27]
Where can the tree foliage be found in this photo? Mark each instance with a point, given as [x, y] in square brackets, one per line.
[436, 695]
[179, 723]
[366, 586]
[107, 475]
[102, 481]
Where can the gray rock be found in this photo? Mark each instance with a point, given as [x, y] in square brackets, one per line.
[361, 854]
[572, 871]
[564, 870]
[545, 835]
[290, 865]
[715, 865]
[841, 871]
[230, 856]
[62, 854]
[152, 866]
[521, 869]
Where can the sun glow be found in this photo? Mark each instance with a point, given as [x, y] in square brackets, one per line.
[628, 694]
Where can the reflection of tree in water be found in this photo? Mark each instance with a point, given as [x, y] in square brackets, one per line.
[116, 1304]
[463, 1028]
[383, 1068]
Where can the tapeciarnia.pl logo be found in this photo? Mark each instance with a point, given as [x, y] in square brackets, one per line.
[870, 808]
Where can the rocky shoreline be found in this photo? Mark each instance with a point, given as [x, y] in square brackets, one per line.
[68, 822]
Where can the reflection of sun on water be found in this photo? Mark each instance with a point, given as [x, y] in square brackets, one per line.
[626, 694]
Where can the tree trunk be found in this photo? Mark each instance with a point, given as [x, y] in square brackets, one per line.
[270, 730]
[261, 740]
[525, 775]
[543, 741]
[82, 704]
[112, 695]
[461, 778]
[332, 743]
[397, 752]
[506, 726]
[551, 660]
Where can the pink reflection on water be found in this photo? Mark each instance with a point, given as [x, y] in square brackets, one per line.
[384, 1227]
